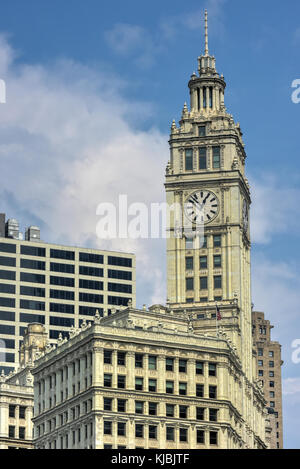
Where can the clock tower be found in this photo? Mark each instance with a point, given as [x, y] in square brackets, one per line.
[208, 245]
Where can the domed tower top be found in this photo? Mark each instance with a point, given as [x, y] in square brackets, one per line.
[207, 89]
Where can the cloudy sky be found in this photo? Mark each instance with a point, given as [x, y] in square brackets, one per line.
[91, 92]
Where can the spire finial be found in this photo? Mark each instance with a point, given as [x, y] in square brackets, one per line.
[206, 34]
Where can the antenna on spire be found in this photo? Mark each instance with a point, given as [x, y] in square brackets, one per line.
[206, 34]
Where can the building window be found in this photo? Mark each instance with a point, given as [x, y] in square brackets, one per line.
[212, 369]
[170, 410]
[217, 261]
[182, 389]
[217, 241]
[22, 411]
[199, 390]
[260, 352]
[152, 408]
[200, 436]
[11, 431]
[212, 391]
[201, 130]
[260, 363]
[170, 433]
[272, 394]
[22, 433]
[272, 404]
[200, 413]
[217, 281]
[107, 381]
[169, 387]
[271, 354]
[107, 427]
[202, 158]
[203, 283]
[183, 435]
[213, 438]
[107, 404]
[139, 407]
[260, 372]
[121, 405]
[213, 415]
[189, 243]
[182, 366]
[152, 384]
[121, 381]
[189, 159]
[121, 429]
[189, 284]
[122, 358]
[139, 430]
[139, 384]
[183, 412]
[139, 360]
[203, 262]
[189, 263]
[153, 432]
[12, 411]
[152, 362]
[169, 364]
[216, 157]
[271, 364]
[199, 368]
[271, 374]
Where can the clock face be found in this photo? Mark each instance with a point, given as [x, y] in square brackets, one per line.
[202, 206]
[245, 215]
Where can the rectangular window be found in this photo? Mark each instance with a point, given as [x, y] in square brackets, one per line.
[183, 412]
[139, 407]
[33, 251]
[62, 294]
[189, 159]
[260, 363]
[203, 242]
[11, 431]
[62, 308]
[121, 358]
[169, 364]
[189, 263]
[30, 264]
[61, 254]
[121, 381]
[9, 330]
[200, 413]
[189, 243]
[152, 362]
[217, 261]
[31, 304]
[32, 291]
[182, 389]
[203, 283]
[212, 369]
[199, 390]
[169, 387]
[139, 360]
[189, 283]
[153, 432]
[271, 364]
[201, 130]
[90, 298]
[170, 410]
[28, 318]
[120, 261]
[119, 274]
[199, 368]
[107, 381]
[213, 438]
[183, 434]
[121, 429]
[152, 408]
[121, 405]
[203, 262]
[182, 366]
[107, 357]
[64, 268]
[12, 411]
[217, 281]
[7, 275]
[22, 411]
[216, 157]
[91, 257]
[152, 385]
[217, 241]
[202, 158]
[32, 278]
[7, 247]
[200, 436]
[8, 261]
[90, 284]
[107, 403]
[170, 433]
[139, 384]
[271, 354]
[6, 288]
[119, 287]
[22, 433]
[90, 271]
[212, 392]
[260, 352]
[139, 430]
[213, 415]
[107, 427]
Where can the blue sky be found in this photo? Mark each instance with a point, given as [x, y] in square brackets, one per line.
[89, 84]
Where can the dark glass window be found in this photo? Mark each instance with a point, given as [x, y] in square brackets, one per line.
[6, 288]
[7, 247]
[122, 405]
[119, 287]
[216, 157]
[139, 360]
[203, 283]
[90, 310]
[189, 159]
[7, 302]
[61, 254]
[12, 411]
[62, 294]
[121, 429]
[107, 403]
[107, 427]
[7, 343]
[9, 261]
[22, 411]
[200, 413]
[169, 387]
[91, 257]
[32, 291]
[213, 438]
[169, 364]
[212, 391]
[217, 261]
[8, 330]
[117, 300]
[203, 242]
[189, 263]
[91, 271]
[217, 241]
[31, 304]
[139, 407]
[32, 318]
[152, 384]
[62, 281]
[107, 380]
[121, 381]
[182, 389]
[121, 358]
[213, 415]
[56, 334]
[61, 308]
[58, 321]
[152, 408]
[11, 431]
[153, 432]
[182, 366]
[32, 278]
[139, 430]
[119, 274]
[201, 130]
[107, 357]
[202, 158]
[9, 357]
[199, 390]
[139, 384]
[30, 264]
[212, 369]
[152, 362]
[183, 411]
[170, 410]
[203, 262]
[90, 284]
[120, 261]
[217, 281]
[7, 275]
[22, 433]
[33, 251]
[170, 433]
[183, 434]
[189, 284]
[200, 436]
[64, 268]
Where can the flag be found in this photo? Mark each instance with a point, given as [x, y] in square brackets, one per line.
[219, 317]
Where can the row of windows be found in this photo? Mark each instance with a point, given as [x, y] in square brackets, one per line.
[261, 352]
[189, 283]
[140, 362]
[261, 373]
[202, 158]
[261, 363]
[13, 434]
[169, 386]
[151, 408]
[12, 411]
[217, 242]
[189, 262]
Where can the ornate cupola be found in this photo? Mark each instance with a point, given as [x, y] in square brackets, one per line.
[207, 89]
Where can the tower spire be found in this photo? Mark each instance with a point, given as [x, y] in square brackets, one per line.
[206, 35]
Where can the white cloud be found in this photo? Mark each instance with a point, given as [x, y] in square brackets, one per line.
[291, 386]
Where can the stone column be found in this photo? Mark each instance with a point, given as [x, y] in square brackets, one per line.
[130, 371]
[191, 366]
